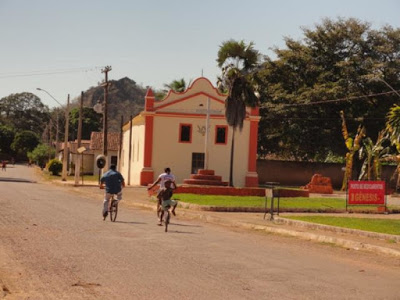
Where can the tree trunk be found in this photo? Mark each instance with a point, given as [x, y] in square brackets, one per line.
[232, 154]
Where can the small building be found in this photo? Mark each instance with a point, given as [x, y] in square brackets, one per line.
[94, 147]
[172, 133]
[87, 157]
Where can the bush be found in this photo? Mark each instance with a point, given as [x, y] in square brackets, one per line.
[54, 166]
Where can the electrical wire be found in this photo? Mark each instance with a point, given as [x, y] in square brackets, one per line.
[332, 101]
[48, 72]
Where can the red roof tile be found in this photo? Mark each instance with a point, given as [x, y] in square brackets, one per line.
[96, 141]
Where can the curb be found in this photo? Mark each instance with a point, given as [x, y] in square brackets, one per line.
[377, 235]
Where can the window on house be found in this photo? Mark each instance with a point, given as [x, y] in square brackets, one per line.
[114, 160]
[185, 133]
[221, 134]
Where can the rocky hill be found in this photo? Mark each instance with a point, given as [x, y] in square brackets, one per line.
[125, 98]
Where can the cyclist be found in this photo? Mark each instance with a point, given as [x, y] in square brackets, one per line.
[162, 179]
[114, 182]
[166, 201]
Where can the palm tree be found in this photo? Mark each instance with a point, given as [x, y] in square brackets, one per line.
[237, 61]
[176, 85]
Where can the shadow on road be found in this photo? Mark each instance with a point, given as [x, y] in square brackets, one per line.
[182, 232]
[125, 222]
[185, 225]
[10, 179]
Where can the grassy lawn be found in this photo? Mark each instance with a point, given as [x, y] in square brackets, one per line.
[248, 201]
[374, 225]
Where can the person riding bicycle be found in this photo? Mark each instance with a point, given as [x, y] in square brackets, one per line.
[114, 182]
[166, 201]
[162, 179]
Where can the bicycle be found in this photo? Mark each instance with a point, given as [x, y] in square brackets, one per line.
[113, 209]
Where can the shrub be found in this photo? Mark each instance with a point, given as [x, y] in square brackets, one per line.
[54, 166]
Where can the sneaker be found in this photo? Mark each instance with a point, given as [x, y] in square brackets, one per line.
[105, 214]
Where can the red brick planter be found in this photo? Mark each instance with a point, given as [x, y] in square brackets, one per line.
[231, 191]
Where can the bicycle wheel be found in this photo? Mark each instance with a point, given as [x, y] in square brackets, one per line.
[114, 210]
[166, 219]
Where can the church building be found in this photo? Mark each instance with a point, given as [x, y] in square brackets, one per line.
[173, 133]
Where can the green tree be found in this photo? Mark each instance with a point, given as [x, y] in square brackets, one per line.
[24, 142]
[237, 61]
[335, 60]
[24, 111]
[6, 138]
[91, 121]
[41, 154]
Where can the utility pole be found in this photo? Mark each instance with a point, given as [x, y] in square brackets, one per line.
[120, 143]
[105, 131]
[65, 152]
[78, 160]
[50, 139]
[130, 150]
[57, 134]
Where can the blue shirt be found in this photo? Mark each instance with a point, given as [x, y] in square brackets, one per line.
[113, 180]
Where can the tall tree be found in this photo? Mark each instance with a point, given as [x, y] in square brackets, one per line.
[24, 111]
[6, 138]
[91, 121]
[24, 142]
[305, 88]
[237, 61]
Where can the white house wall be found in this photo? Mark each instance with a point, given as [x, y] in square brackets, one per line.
[169, 152]
[136, 161]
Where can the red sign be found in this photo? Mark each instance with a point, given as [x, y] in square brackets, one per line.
[366, 192]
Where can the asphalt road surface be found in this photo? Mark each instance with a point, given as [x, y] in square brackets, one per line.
[54, 244]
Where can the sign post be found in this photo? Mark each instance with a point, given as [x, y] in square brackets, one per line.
[366, 193]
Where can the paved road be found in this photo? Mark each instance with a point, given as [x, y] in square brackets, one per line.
[54, 245]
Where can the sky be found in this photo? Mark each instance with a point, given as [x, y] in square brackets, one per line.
[62, 46]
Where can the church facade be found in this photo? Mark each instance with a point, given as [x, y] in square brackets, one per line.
[173, 133]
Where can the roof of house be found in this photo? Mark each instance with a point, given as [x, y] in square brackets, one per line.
[73, 146]
[96, 141]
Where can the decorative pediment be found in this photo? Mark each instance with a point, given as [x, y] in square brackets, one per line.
[193, 100]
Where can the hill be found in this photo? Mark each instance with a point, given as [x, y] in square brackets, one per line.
[125, 98]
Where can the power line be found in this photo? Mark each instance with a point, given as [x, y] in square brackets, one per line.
[48, 72]
[334, 100]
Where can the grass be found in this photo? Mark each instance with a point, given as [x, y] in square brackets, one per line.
[285, 203]
[388, 226]
[252, 201]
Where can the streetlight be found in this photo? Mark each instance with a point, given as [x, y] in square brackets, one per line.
[65, 153]
[39, 89]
